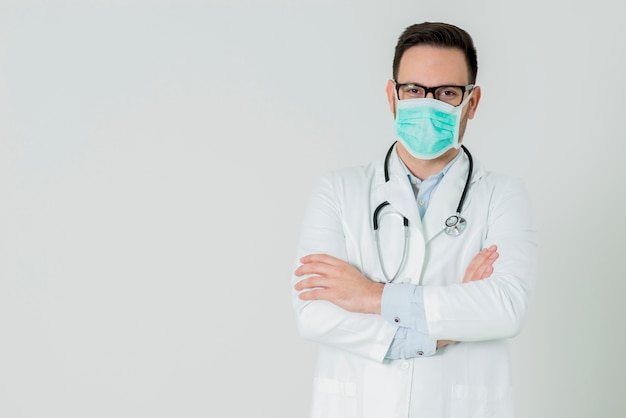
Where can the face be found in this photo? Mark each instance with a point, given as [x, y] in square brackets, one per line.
[433, 66]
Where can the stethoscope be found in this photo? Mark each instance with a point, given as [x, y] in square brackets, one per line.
[454, 224]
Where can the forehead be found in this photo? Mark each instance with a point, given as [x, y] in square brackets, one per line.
[433, 66]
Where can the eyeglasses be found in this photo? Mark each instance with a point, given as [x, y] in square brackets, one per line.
[453, 95]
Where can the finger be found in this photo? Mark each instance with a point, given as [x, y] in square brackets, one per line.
[485, 256]
[315, 282]
[311, 282]
[492, 252]
[486, 269]
[480, 258]
[480, 273]
[480, 266]
[318, 268]
[321, 258]
[315, 294]
[474, 265]
[443, 343]
[484, 272]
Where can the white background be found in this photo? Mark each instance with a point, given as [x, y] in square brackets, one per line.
[156, 156]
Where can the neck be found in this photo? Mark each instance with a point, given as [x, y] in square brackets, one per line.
[422, 169]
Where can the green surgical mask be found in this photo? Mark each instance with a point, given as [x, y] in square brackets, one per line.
[427, 127]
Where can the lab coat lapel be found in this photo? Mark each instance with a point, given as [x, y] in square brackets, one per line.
[397, 191]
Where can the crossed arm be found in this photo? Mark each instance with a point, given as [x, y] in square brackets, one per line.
[337, 281]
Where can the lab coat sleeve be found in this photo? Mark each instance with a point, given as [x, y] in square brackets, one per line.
[323, 231]
[495, 307]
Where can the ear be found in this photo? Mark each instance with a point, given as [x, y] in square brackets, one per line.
[391, 96]
[473, 102]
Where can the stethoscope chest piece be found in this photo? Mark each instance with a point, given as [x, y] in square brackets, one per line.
[455, 224]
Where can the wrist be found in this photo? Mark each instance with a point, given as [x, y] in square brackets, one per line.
[376, 298]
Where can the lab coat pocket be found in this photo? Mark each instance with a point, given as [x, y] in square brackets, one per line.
[333, 398]
[475, 401]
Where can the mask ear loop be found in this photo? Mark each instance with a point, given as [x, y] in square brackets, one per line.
[396, 98]
[395, 90]
[467, 98]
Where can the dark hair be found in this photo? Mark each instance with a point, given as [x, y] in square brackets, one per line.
[439, 35]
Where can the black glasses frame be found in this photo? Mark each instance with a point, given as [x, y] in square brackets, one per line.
[464, 89]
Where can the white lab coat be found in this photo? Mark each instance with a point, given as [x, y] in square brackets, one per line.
[468, 379]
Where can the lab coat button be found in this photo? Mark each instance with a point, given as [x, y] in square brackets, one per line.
[404, 365]
[420, 353]
[396, 320]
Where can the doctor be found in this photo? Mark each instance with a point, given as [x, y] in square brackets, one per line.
[398, 277]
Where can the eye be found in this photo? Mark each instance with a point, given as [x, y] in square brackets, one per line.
[448, 93]
[412, 90]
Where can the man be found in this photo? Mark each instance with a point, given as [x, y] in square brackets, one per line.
[415, 323]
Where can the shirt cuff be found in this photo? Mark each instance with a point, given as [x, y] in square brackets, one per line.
[403, 305]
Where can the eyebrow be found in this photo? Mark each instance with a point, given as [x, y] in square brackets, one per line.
[423, 85]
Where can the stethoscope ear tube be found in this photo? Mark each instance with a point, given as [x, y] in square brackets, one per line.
[467, 181]
[376, 212]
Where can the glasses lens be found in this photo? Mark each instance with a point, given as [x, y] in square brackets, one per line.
[411, 91]
[450, 94]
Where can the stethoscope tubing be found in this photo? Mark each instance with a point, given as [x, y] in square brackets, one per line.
[467, 181]
[454, 224]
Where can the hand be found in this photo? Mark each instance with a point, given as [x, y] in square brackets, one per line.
[338, 282]
[481, 266]
[443, 343]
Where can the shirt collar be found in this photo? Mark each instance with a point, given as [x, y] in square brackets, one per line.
[438, 176]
